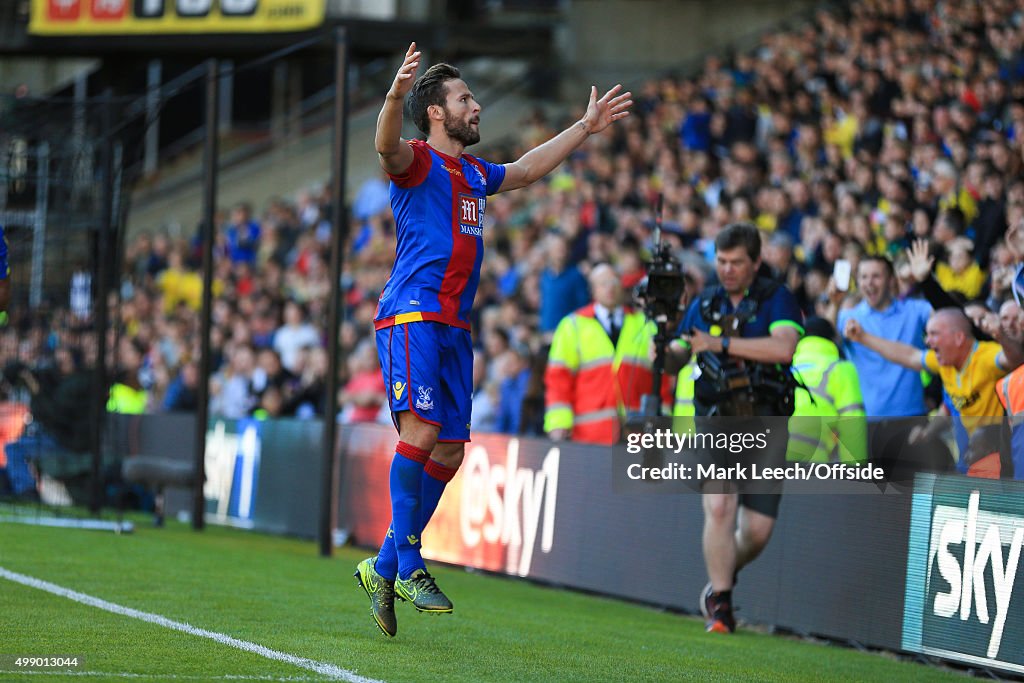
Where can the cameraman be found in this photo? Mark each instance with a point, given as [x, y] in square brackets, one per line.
[744, 331]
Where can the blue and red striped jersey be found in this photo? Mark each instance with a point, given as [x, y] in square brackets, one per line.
[439, 219]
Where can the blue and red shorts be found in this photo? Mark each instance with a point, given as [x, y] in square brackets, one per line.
[428, 369]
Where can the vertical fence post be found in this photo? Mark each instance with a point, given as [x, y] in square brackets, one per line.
[339, 234]
[35, 289]
[99, 401]
[207, 234]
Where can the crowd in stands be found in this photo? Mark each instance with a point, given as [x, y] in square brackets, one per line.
[852, 135]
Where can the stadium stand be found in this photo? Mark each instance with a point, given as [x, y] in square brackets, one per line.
[849, 135]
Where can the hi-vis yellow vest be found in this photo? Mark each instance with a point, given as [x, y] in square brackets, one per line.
[685, 384]
[126, 400]
[590, 385]
[684, 410]
[828, 423]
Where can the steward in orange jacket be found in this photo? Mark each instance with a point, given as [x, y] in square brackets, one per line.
[591, 381]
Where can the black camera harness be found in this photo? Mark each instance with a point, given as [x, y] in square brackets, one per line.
[732, 386]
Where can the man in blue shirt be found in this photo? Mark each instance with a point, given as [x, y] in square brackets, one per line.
[890, 390]
[749, 325]
[513, 389]
[243, 235]
[563, 289]
[893, 394]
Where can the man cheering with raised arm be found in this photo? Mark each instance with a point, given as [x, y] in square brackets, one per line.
[969, 369]
[438, 195]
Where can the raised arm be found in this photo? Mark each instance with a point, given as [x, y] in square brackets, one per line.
[893, 351]
[921, 262]
[542, 159]
[1012, 354]
[395, 155]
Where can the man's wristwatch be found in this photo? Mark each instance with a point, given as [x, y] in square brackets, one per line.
[725, 345]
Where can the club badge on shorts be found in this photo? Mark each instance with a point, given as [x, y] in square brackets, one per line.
[423, 401]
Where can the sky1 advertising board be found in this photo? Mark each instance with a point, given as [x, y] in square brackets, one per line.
[964, 596]
[134, 17]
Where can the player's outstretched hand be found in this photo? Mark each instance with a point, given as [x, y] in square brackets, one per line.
[602, 112]
[406, 74]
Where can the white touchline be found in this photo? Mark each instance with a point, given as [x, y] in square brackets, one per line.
[161, 677]
[335, 672]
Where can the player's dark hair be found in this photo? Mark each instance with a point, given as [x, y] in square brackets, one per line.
[430, 88]
[740, 235]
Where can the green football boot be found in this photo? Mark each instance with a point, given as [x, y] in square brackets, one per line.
[421, 590]
[381, 593]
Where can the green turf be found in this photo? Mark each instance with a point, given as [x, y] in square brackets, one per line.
[278, 593]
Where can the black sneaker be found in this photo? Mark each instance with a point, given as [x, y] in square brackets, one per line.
[720, 618]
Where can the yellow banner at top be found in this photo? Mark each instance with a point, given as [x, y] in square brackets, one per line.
[136, 17]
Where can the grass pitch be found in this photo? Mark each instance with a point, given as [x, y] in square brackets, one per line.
[279, 594]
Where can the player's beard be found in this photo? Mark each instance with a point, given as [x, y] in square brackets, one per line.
[460, 131]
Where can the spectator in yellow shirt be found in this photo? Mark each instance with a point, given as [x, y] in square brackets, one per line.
[951, 194]
[961, 273]
[969, 369]
[180, 285]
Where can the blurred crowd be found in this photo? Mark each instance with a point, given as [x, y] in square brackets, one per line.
[849, 136]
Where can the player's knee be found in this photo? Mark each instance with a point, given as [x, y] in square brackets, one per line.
[416, 432]
[449, 454]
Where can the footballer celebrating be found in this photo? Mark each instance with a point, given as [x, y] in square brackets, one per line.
[438, 196]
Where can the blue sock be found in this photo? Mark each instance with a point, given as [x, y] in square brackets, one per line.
[387, 557]
[406, 476]
[435, 479]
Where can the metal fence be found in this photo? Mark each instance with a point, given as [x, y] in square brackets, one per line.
[60, 207]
